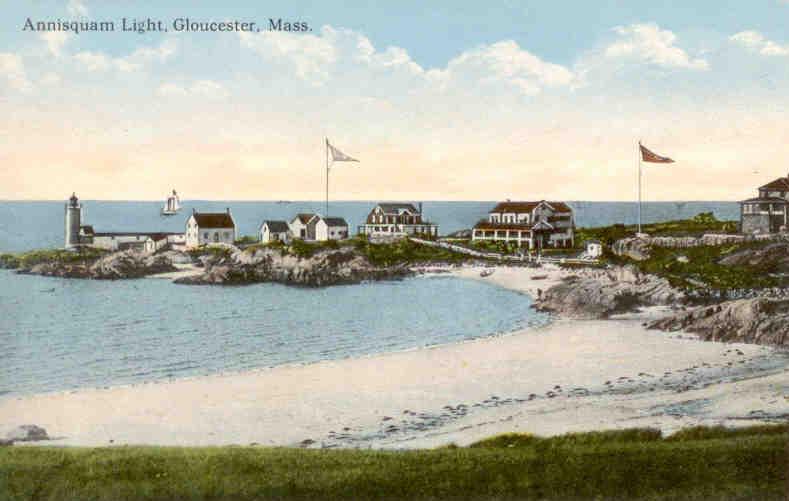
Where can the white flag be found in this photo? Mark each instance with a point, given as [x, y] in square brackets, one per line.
[337, 155]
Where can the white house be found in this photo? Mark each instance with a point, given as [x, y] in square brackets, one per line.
[397, 219]
[532, 224]
[298, 225]
[274, 231]
[209, 228]
[326, 228]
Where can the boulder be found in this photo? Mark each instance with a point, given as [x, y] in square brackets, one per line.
[637, 249]
[757, 320]
[596, 294]
[27, 433]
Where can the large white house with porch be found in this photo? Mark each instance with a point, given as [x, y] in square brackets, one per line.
[534, 225]
[397, 219]
[210, 228]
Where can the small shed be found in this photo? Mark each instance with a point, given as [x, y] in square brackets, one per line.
[274, 231]
[594, 248]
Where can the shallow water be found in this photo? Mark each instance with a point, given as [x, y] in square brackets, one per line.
[58, 334]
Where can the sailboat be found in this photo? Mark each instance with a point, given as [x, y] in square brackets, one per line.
[172, 205]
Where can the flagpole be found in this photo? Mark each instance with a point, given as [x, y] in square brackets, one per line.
[639, 186]
[327, 178]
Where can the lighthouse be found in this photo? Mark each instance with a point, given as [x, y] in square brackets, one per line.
[72, 222]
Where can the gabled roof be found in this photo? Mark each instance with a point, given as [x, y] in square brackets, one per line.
[397, 209]
[780, 184]
[335, 221]
[303, 217]
[214, 220]
[276, 226]
[527, 207]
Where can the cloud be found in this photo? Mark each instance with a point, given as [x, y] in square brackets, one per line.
[337, 54]
[309, 55]
[755, 41]
[200, 88]
[141, 57]
[649, 44]
[504, 62]
[77, 8]
[55, 41]
[12, 71]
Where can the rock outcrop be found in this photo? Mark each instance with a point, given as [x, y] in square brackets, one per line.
[638, 248]
[596, 294]
[773, 256]
[118, 265]
[757, 320]
[325, 267]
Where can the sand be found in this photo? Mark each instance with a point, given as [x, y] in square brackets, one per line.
[567, 376]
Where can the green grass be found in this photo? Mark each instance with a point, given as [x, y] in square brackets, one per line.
[405, 252]
[696, 226]
[31, 258]
[628, 464]
[703, 266]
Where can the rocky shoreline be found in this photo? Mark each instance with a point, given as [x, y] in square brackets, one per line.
[583, 294]
[327, 267]
[600, 294]
[223, 265]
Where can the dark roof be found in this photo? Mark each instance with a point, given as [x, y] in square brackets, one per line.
[395, 208]
[214, 220]
[781, 184]
[276, 226]
[304, 217]
[335, 221]
[521, 207]
[771, 200]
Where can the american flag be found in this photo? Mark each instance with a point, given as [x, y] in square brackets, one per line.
[649, 156]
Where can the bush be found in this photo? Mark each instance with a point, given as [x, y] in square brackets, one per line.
[246, 239]
[302, 249]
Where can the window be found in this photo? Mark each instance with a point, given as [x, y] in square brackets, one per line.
[227, 235]
[205, 235]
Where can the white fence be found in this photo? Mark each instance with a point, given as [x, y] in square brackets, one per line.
[503, 257]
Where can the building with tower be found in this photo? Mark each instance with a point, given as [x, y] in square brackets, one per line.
[78, 235]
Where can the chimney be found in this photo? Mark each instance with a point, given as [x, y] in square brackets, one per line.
[194, 210]
[420, 208]
[228, 210]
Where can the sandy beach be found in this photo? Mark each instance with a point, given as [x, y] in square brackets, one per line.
[566, 376]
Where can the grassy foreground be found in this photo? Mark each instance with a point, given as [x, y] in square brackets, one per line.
[700, 463]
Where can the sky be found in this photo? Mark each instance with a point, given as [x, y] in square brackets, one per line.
[455, 101]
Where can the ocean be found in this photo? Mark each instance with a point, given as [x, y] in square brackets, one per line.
[59, 334]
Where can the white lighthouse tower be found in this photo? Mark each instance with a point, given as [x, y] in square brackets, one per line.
[73, 221]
